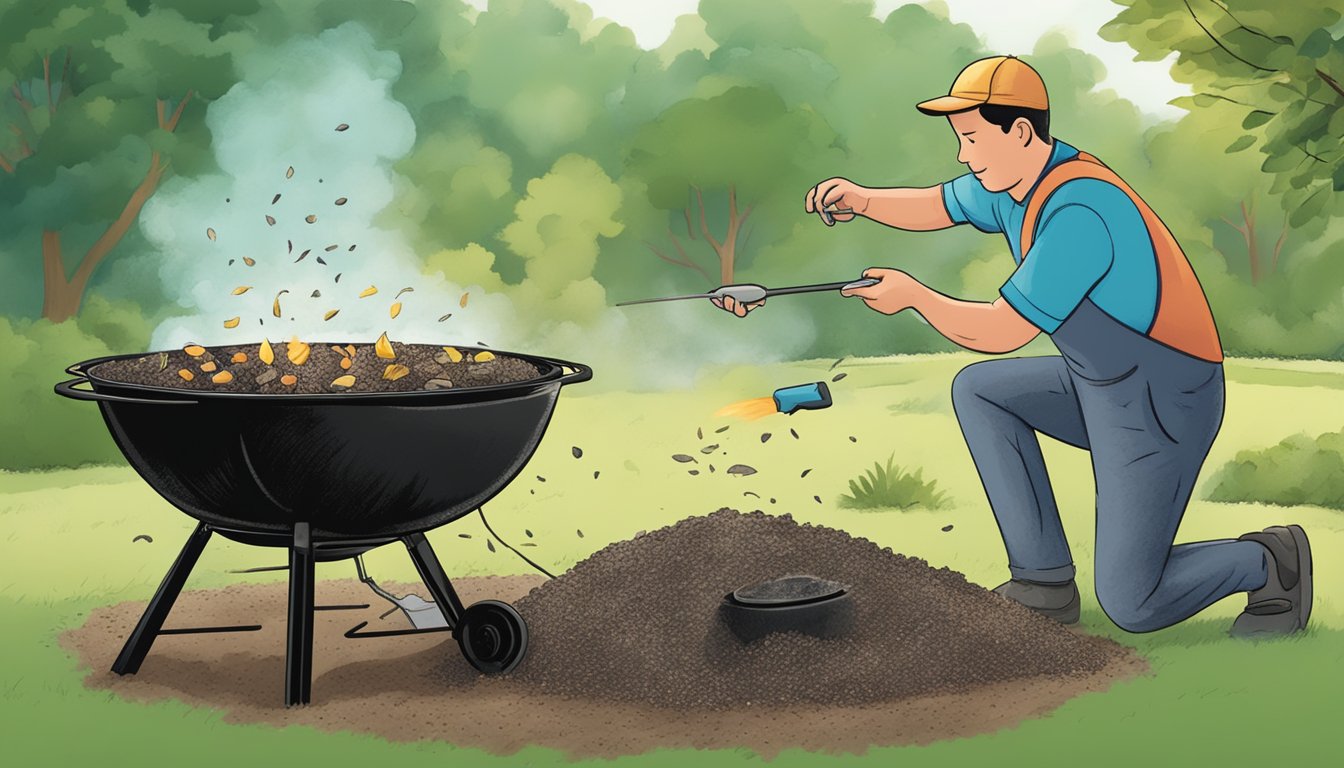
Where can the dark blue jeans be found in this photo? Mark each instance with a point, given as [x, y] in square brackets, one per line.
[1148, 417]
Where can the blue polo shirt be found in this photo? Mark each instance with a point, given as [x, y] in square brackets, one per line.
[1090, 243]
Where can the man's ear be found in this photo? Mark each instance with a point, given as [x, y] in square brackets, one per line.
[1025, 133]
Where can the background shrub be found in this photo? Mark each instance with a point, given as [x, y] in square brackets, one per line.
[1299, 470]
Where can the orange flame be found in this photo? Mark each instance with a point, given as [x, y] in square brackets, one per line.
[749, 410]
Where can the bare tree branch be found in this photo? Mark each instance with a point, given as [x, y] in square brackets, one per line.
[704, 224]
[65, 81]
[1330, 81]
[689, 232]
[687, 263]
[46, 75]
[18, 96]
[1255, 32]
[1219, 43]
[1278, 246]
[177, 113]
[686, 257]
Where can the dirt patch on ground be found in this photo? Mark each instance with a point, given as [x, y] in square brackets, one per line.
[627, 655]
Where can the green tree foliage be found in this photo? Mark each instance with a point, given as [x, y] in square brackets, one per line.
[1280, 64]
[742, 148]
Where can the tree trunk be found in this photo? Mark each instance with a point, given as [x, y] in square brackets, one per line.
[62, 295]
[727, 249]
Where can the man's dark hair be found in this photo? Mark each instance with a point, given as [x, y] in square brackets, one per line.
[1004, 117]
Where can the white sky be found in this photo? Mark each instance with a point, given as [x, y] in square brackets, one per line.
[1005, 27]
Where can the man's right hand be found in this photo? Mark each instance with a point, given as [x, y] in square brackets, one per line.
[840, 193]
[729, 304]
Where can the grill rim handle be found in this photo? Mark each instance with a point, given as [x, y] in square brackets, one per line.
[67, 389]
[580, 373]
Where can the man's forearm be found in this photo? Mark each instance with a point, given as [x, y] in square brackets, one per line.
[982, 326]
[912, 208]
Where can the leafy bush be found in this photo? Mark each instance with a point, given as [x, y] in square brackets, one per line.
[42, 429]
[1299, 470]
[891, 486]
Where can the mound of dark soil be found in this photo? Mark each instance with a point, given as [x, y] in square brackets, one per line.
[638, 621]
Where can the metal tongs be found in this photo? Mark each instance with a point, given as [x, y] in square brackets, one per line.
[749, 293]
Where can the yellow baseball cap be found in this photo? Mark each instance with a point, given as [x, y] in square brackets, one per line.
[1002, 80]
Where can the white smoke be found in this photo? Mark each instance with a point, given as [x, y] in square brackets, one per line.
[284, 113]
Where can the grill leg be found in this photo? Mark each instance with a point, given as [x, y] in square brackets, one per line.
[299, 650]
[151, 621]
[435, 579]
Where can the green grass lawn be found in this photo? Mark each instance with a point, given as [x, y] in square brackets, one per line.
[66, 544]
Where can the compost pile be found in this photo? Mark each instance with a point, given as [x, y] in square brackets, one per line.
[297, 367]
[638, 621]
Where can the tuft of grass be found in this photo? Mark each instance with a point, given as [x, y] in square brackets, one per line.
[1299, 470]
[886, 486]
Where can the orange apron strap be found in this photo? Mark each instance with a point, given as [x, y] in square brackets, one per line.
[1183, 319]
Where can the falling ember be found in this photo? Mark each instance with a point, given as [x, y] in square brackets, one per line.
[395, 310]
[330, 314]
[367, 292]
[463, 301]
[240, 290]
[310, 218]
[231, 322]
[275, 306]
[289, 174]
[383, 347]
[210, 233]
[749, 410]
[249, 261]
[265, 353]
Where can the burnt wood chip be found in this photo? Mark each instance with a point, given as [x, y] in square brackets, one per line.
[710, 448]
[794, 433]
[720, 429]
[751, 493]
[464, 535]
[853, 439]
[681, 457]
[805, 471]
[765, 436]
[529, 533]
[577, 451]
[817, 499]
[541, 479]
[699, 434]
[580, 532]
[490, 545]
[741, 469]
[946, 528]
[837, 362]
[839, 376]
[143, 537]
[596, 473]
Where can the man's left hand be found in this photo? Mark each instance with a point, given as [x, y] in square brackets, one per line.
[896, 292]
